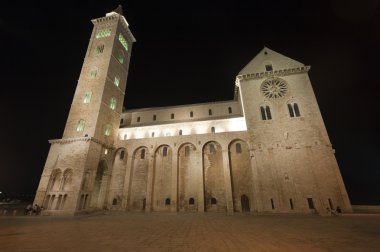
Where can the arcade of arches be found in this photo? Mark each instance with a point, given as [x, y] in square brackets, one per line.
[187, 178]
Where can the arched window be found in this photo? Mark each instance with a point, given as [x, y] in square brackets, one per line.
[114, 202]
[167, 201]
[265, 113]
[212, 129]
[138, 119]
[209, 112]
[99, 49]
[229, 110]
[191, 201]
[142, 155]
[123, 42]
[213, 201]
[191, 114]
[294, 110]
[187, 151]
[165, 151]
[180, 132]
[87, 97]
[116, 81]
[238, 148]
[80, 125]
[212, 149]
[113, 103]
[122, 155]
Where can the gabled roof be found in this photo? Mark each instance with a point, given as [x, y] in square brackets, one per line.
[269, 57]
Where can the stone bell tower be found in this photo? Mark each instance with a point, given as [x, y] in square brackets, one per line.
[76, 172]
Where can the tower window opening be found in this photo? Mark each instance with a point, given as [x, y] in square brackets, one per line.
[154, 117]
[121, 121]
[209, 112]
[138, 119]
[116, 81]
[113, 103]
[291, 111]
[87, 97]
[265, 113]
[191, 201]
[229, 110]
[120, 57]
[152, 134]
[125, 136]
[180, 132]
[294, 110]
[103, 33]
[80, 125]
[268, 67]
[165, 151]
[172, 116]
[142, 155]
[191, 114]
[122, 155]
[107, 132]
[93, 73]
[167, 201]
[238, 148]
[212, 129]
[123, 42]
[99, 49]
[213, 201]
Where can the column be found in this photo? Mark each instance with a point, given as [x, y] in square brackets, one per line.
[227, 181]
[149, 190]
[174, 187]
[201, 186]
[127, 182]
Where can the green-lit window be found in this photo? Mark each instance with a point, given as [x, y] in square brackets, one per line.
[93, 73]
[120, 57]
[123, 42]
[107, 132]
[99, 49]
[80, 125]
[113, 103]
[103, 33]
[87, 97]
[116, 81]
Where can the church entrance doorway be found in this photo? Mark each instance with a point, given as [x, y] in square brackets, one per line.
[245, 203]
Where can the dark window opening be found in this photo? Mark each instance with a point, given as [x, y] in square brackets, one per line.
[187, 151]
[191, 114]
[238, 148]
[212, 149]
[213, 201]
[212, 129]
[154, 117]
[138, 119]
[290, 108]
[114, 202]
[229, 110]
[180, 132]
[121, 121]
[291, 204]
[296, 110]
[268, 67]
[142, 155]
[165, 151]
[191, 201]
[167, 201]
[310, 203]
[269, 115]
[172, 116]
[272, 203]
[263, 116]
[122, 155]
[209, 112]
[152, 134]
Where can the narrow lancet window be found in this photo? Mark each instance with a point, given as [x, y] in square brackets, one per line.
[80, 125]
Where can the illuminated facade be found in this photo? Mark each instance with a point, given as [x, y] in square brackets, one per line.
[265, 151]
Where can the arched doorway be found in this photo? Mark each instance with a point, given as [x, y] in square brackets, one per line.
[245, 203]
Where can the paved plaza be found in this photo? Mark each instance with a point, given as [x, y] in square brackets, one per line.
[116, 231]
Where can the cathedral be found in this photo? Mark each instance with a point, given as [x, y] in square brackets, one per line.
[265, 151]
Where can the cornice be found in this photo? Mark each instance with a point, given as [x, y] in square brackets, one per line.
[119, 17]
[261, 75]
[79, 139]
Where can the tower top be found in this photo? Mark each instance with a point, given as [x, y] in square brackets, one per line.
[119, 10]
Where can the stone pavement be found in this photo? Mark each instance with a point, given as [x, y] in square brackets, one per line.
[120, 231]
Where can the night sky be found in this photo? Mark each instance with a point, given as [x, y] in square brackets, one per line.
[189, 52]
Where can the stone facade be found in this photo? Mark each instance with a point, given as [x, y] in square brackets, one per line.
[265, 151]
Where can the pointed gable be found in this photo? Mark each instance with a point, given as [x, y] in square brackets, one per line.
[269, 57]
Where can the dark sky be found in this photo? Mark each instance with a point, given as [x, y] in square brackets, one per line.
[189, 52]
